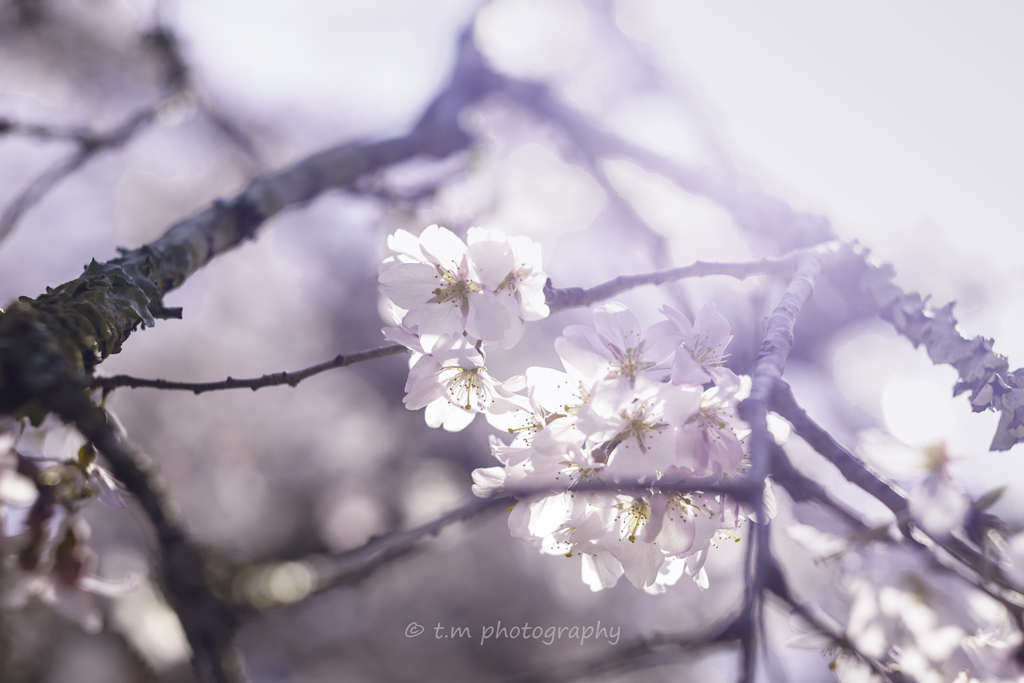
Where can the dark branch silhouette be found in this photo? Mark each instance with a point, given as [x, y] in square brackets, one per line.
[277, 379]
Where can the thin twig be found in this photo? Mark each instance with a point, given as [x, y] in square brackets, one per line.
[353, 566]
[572, 297]
[857, 472]
[90, 146]
[230, 131]
[658, 649]
[658, 246]
[802, 488]
[814, 616]
[46, 132]
[272, 380]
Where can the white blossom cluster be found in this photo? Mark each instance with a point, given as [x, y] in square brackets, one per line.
[599, 447]
[47, 476]
[916, 620]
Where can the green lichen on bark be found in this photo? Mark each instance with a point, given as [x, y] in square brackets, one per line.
[50, 345]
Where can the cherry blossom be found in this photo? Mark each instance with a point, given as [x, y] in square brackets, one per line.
[453, 387]
[615, 348]
[637, 431]
[521, 290]
[712, 438]
[485, 290]
[701, 355]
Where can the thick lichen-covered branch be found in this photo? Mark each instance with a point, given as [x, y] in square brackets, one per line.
[49, 346]
[185, 572]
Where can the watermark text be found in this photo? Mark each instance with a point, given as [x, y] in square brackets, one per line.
[545, 634]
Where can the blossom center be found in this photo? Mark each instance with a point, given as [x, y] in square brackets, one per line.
[469, 384]
[456, 288]
[639, 425]
[577, 473]
[679, 506]
[628, 363]
[705, 355]
[633, 516]
[513, 279]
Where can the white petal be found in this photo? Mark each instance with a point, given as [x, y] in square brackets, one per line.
[434, 321]
[437, 412]
[404, 242]
[659, 341]
[601, 571]
[17, 489]
[687, 371]
[680, 320]
[549, 513]
[443, 247]
[640, 561]
[488, 320]
[458, 420]
[715, 327]
[617, 324]
[678, 533]
[492, 261]
[487, 481]
[410, 285]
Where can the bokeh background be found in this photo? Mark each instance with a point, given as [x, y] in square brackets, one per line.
[899, 122]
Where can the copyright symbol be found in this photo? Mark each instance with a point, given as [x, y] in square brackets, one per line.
[413, 630]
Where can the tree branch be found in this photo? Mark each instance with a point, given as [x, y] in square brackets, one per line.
[78, 134]
[814, 616]
[50, 345]
[278, 378]
[768, 368]
[753, 209]
[353, 566]
[857, 472]
[982, 372]
[850, 466]
[208, 623]
[572, 297]
[89, 146]
[349, 568]
[658, 649]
